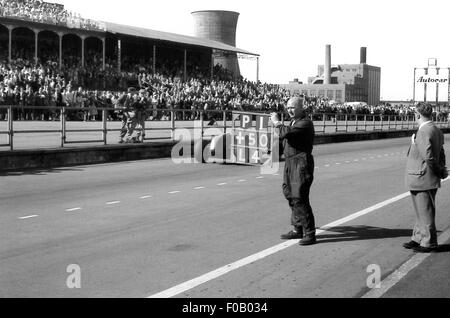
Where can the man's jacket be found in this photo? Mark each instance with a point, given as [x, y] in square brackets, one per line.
[297, 138]
[424, 163]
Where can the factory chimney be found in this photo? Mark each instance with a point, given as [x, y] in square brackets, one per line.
[363, 55]
[327, 66]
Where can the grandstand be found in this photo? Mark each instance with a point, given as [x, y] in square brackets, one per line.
[37, 25]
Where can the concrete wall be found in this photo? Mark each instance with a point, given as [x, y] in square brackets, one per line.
[44, 159]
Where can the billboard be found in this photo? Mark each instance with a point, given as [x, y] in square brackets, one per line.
[431, 84]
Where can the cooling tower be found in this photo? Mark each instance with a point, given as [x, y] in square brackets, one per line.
[363, 55]
[327, 66]
[219, 26]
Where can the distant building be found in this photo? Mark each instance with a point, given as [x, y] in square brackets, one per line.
[342, 83]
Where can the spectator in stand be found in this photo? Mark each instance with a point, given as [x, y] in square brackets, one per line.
[45, 12]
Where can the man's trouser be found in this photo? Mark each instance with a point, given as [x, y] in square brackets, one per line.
[131, 126]
[297, 180]
[123, 129]
[424, 231]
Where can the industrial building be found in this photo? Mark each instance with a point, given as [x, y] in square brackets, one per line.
[343, 82]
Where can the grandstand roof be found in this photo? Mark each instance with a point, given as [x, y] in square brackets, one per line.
[172, 37]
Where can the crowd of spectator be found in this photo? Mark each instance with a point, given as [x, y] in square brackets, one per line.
[324, 105]
[23, 83]
[45, 12]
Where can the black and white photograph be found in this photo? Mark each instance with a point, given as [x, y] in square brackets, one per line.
[224, 154]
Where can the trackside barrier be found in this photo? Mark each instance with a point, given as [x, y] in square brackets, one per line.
[222, 119]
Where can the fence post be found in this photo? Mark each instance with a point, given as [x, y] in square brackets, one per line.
[324, 123]
[373, 119]
[336, 123]
[104, 126]
[389, 122]
[356, 122]
[63, 126]
[346, 122]
[11, 127]
[395, 122]
[201, 124]
[172, 125]
[224, 121]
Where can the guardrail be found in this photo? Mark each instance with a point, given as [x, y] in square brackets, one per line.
[323, 122]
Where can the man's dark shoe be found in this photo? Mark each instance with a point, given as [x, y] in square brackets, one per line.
[308, 240]
[291, 235]
[411, 244]
[421, 249]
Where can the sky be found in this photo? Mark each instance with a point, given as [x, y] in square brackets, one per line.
[290, 35]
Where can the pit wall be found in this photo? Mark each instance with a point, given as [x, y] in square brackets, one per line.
[61, 157]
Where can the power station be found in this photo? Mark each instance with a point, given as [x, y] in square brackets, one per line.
[343, 82]
[219, 26]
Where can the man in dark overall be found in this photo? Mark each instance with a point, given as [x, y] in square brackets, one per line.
[297, 142]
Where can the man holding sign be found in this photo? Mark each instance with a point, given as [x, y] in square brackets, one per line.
[297, 142]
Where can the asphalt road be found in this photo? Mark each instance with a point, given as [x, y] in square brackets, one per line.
[135, 229]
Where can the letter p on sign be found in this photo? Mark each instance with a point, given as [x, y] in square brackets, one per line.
[246, 121]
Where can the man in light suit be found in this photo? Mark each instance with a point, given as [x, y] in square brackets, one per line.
[424, 169]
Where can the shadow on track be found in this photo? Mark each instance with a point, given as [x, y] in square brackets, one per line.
[360, 232]
[39, 172]
[364, 232]
[442, 248]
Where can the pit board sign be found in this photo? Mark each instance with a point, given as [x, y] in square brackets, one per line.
[252, 138]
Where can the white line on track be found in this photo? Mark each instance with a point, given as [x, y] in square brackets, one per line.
[112, 202]
[327, 165]
[403, 270]
[28, 217]
[261, 177]
[242, 180]
[145, 197]
[221, 184]
[338, 163]
[198, 188]
[73, 209]
[173, 192]
[178, 289]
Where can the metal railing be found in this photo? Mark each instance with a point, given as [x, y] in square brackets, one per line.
[323, 122]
